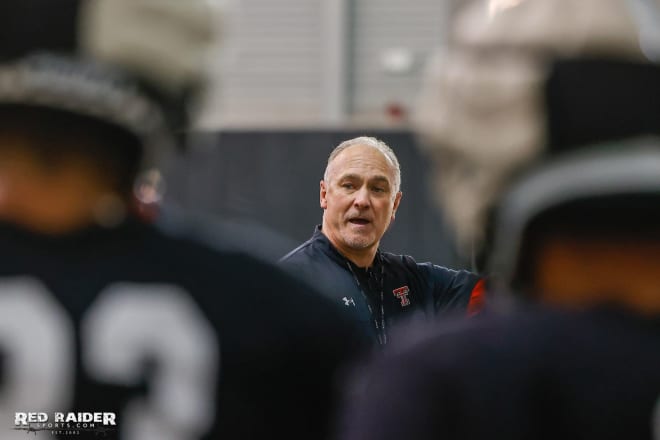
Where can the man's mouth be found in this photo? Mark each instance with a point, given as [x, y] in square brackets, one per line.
[359, 221]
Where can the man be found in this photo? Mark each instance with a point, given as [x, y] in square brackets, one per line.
[360, 194]
[103, 317]
[574, 226]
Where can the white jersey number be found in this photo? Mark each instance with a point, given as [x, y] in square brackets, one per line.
[126, 326]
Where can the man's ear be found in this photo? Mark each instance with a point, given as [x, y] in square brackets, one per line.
[397, 200]
[322, 193]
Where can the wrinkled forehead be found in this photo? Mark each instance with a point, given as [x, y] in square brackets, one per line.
[362, 160]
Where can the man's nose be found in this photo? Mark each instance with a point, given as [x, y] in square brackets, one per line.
[362, 198]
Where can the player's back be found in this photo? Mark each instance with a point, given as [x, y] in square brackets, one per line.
[538, 374]
[179, 340]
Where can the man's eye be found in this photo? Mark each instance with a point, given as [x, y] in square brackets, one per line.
[347, 185]
[378, 189]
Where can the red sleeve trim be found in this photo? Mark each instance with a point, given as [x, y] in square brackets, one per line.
[477, 298]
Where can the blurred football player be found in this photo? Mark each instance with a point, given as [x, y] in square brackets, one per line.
[545, 121]
[101, 311]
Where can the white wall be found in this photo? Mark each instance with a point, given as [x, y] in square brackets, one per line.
[303, 63]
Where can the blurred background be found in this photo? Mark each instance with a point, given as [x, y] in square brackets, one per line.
[292, 79]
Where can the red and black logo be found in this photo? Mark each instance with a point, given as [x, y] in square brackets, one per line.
[402, 294]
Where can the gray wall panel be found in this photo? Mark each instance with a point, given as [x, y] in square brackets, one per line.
[271, 179]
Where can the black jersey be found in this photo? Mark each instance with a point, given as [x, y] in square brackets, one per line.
[181, 341]
[536, 375]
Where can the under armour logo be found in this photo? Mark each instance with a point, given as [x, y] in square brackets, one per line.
[402, 294]
[348, 301]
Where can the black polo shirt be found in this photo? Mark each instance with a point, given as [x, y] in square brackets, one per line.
[409, 289]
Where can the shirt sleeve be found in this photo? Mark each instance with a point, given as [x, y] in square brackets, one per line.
[455, 290]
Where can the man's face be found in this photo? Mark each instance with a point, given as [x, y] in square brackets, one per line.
[359, 199]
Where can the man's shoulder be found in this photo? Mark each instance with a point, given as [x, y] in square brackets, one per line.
[425, 269]
[313, 258]
[302, 253]
[314, 263]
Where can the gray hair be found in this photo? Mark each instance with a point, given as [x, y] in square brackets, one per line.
[374, 143]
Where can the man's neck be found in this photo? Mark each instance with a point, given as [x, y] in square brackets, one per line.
[360, 259]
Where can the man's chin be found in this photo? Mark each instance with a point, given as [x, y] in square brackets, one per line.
[359, 243]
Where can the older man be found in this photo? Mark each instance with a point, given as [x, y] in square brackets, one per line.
[360, 194]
